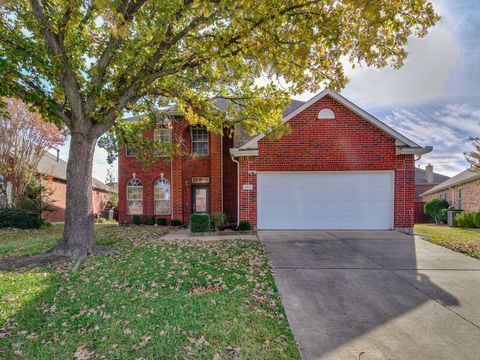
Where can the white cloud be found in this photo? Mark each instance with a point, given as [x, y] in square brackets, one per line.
[424, 75]
[446, 128]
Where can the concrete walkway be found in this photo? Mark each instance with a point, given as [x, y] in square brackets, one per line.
[184, 234]
[376, 295]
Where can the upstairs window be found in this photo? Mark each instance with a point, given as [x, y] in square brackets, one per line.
[163, 136]
[162, 197]
[129, 151]
[134, 197]
[199, 141]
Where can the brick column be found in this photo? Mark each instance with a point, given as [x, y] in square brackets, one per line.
[215, 173]
[404, 192]
[248, 198]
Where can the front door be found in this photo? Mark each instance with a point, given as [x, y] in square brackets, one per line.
[199, 199]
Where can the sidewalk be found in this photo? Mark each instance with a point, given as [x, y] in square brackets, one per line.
[184, 234]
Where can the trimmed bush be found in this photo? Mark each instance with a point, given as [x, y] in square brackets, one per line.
[464, 220]
[21, 219]
[161, 222]
[149, 220]
[137, 219]
[176, 222]
[443, 215]
[433, 207]
[218, 220]
[200, 223]
[476, 219]
[244, 225]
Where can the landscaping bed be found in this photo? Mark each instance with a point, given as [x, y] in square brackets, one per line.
[466, 241]
[151, 299]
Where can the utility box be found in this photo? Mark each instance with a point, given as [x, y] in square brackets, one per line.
[451, 216]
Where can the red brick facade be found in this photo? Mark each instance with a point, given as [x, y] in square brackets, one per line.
[346, 143]
[57, 200]
[180, 171]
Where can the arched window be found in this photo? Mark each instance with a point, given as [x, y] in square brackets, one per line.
[161, 195]
[326, 113]
[134, 197]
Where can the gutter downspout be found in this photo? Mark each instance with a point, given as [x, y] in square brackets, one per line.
[221, 167]
[238, 189]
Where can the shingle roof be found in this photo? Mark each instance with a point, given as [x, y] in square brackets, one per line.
[49, 166]
[240, 137]
[421, 177]
[461, 178]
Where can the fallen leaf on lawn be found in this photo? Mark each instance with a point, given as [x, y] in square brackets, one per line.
[205, 289]
[217, 356]
[83, 353]
[234, 351]
[142, 343]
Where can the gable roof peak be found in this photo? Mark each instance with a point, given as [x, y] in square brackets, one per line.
[401, 139]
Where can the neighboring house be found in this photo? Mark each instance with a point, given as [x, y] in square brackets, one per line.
[462, 191]
[339, 168]
[54, 172]
[425, 179]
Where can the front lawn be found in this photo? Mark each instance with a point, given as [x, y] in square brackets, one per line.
[152, 299]
[466, 241]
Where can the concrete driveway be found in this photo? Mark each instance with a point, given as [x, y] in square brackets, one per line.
[376, 295]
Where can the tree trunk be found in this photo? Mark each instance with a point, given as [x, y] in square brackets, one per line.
[78, 239]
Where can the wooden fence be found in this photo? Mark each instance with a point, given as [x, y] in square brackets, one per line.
[418, 214]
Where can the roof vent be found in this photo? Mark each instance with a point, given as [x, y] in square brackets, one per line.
[326, 114]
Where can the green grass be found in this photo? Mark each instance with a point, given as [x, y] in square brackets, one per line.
[23, 242]
[466, 241]
[152, 299]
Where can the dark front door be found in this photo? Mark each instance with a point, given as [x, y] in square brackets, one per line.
[200, 199]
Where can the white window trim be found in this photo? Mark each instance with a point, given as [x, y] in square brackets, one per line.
[208, 141]
[128, 200]
[169, 199]
[169, 131]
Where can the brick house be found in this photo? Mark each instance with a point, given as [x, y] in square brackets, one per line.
[462, 191]
[425, 179]
[339, 168]
[53, 171]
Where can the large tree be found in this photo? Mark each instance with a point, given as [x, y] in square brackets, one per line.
[84, 63]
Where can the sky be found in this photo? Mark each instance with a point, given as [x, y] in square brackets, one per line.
[434, 99]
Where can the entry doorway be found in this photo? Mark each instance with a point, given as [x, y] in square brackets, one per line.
[200, 199]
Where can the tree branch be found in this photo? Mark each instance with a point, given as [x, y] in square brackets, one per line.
[100, 68]
[67, 76]
[57, 109]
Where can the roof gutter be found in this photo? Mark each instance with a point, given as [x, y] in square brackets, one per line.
[248, 152]
[407, 150]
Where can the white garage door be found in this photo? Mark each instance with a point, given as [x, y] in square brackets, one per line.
[325, 200]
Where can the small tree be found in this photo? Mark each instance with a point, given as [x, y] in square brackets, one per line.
[473, 157]
[25, 138]
[433, 209]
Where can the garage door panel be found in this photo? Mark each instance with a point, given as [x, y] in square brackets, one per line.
[325, 200]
